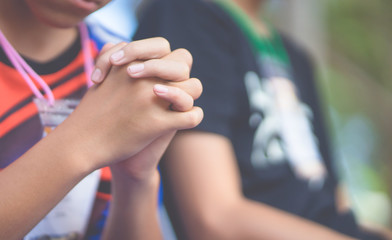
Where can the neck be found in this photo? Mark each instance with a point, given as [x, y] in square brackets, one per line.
[29, 36]
[252, 8]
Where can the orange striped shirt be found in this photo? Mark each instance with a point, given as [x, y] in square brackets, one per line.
[20, 126]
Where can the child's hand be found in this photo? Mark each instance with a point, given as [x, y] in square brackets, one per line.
[150, 51]
[159, 62]
[143, 165]
[169, 66]
[122, 115]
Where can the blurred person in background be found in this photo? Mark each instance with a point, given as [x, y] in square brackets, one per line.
[48, 177]
[259, 165]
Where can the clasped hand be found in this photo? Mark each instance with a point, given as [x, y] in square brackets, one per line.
[143, 94]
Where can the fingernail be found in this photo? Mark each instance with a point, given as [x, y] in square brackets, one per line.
[117, 56]
[136, 68]
[96, 75]
[160, 89]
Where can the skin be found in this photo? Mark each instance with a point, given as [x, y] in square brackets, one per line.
[211, 202]
[202, 171]
[150, 104]
[251, 7]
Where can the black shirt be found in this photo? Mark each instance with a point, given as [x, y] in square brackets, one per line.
[222, 58]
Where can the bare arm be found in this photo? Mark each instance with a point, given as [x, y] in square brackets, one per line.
[206, 184]
[133, 211]
[89, 139]
[37, 181]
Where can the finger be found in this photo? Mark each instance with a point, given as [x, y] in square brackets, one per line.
[106, 47]
[146, 49]
[180, 100]
[169, 70]
[103, 64]
[181, 55]
[191, 86]
[187, 120]
[173, 67]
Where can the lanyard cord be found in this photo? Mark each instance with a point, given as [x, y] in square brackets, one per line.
[26, 71]
[88, 56]
[22, 67]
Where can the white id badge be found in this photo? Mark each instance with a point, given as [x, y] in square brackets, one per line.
[69, 218]
[301, 144]
[52, 116]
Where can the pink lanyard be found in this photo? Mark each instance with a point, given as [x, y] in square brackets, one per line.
[26, 71]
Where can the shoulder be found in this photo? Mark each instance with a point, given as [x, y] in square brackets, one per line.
[200, 26]
[298, 54]
[179, 19]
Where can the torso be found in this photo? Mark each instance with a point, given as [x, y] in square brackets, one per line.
[222, 59]
[20, 126]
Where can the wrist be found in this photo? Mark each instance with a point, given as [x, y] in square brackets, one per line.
[70, 149]
[122, 183]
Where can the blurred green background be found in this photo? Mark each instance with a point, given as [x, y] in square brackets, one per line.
[358, 80]
[350, 41]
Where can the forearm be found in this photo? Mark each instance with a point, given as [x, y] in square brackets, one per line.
[281, 225]
[32, 185]
[133, 209]
[202, 171]
[247, 219]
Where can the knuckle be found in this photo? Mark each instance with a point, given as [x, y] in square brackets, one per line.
[121, 44]
[192, 120]
[176, 95]
[185, 105]
[190, 102]
[187, 55]
[106, 47]
[133, 47]
[153, 66]
[193, 87]
[198, 86]
[184, 71]
[107, 51]
[102, 61]
[165, 44]
[108, 44]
